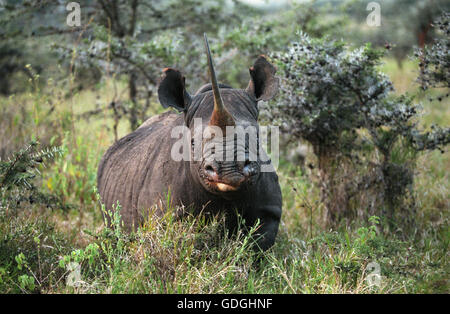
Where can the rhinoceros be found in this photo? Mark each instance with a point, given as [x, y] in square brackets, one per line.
[139, 171]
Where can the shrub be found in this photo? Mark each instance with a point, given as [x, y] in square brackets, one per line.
[17, 178]
[435, 59]
[365, 139]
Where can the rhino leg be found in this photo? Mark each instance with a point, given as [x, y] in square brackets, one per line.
[266, 210]
[268, 219]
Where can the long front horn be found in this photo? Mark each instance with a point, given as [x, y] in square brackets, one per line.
[220, 116]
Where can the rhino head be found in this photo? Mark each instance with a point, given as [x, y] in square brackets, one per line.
[222, 163]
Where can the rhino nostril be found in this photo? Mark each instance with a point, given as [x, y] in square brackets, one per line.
[249, 169]
[211, 172]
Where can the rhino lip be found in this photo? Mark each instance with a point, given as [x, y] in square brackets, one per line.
[225, 187]
[222, 186]
[214, 181]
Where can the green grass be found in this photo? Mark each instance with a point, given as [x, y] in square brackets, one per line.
[37, 245]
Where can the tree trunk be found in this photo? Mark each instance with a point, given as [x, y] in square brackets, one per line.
[332, 187]
[134, 110]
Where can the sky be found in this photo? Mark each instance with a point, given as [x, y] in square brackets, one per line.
[263, 3]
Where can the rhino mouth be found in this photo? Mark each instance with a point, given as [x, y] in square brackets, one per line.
[222, 186]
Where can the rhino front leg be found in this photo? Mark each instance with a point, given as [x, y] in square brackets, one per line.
[269, 219]
[265, 207]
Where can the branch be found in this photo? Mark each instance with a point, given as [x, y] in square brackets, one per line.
[134, 6]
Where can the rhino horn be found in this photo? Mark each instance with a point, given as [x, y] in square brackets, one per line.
[220, 116]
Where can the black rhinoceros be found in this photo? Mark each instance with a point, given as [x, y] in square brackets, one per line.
[139, 170]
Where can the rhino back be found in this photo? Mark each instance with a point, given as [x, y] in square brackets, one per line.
[137, 170]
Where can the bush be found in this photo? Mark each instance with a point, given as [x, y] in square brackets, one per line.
[17, 176]
[434, 60]
[365, 138]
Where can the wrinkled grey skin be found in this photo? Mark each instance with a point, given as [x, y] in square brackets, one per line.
[138, 171]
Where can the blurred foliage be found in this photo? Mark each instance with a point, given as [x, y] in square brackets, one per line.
[271, 31]
[73, 175]
[133, 40]
[130, 39]
[435, 59]
[136, 39]
[405, 24]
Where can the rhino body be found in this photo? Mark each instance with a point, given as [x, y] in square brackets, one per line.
[139, 172]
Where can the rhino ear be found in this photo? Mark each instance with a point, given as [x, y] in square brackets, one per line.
[172, 91]
[263, 83]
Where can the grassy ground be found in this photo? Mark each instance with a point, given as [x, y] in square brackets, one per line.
[41, 248]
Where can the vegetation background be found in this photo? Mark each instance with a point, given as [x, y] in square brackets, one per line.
[68, 92]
